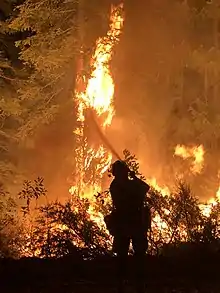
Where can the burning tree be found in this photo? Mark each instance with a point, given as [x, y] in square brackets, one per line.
[94, 100]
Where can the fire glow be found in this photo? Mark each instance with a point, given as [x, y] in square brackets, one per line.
[96, 94]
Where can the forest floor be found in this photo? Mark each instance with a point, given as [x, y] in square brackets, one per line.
[163, 275]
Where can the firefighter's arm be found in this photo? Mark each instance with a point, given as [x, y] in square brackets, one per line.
[143, 184]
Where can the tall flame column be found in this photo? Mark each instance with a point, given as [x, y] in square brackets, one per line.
[95, 94]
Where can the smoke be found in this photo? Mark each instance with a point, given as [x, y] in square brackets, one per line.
[151, 100]
[148, 69]
[149, 51]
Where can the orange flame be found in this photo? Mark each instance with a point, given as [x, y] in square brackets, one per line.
[196, 152]
[100, 87]
[98, 96]
[163, 190]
